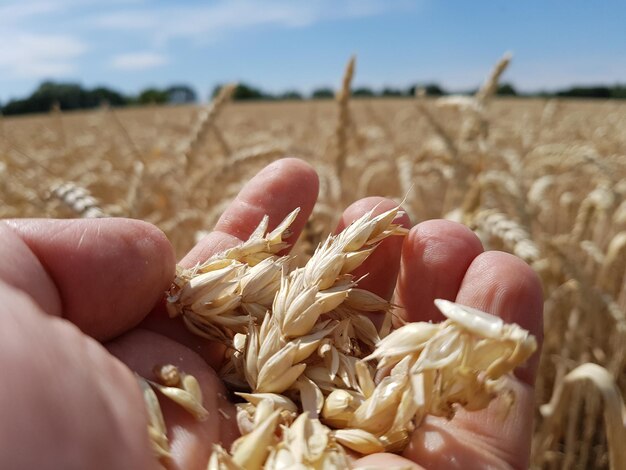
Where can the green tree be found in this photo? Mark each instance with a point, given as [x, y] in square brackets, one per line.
[362, 92]
[323, 93]
[152, 96]
[181, 94]
[248, 92]
[506, 89]
[391, 92]
[290, 95]
[618, 91]
[100, 95]
[432, 89]
[67, 95]
[586, 92]
[243, 91]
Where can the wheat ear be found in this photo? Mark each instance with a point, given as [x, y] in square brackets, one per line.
[343, 123]
[206, 121]
[305, 356]
[614, 410]
[489, 88]
[78, 199]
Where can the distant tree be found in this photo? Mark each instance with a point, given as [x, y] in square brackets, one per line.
[248, 92]
[181, 94]
[506, 89]
[432, 89]
[152, 96]
[362, 92]
[618, 91]
[244, 91]
[290, 95]
[391, 92]
[16, 107]
[586, 92]
[101, 95]
[323, 93]
[66, 95]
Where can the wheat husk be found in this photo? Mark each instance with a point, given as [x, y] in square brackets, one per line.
[312, 364]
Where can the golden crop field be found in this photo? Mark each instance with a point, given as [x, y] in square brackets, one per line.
[543, 179]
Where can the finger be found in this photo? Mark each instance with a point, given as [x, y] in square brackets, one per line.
[435, 257]
[496, 437]
[66, 402]
[105, 275]
[275, 191]
[382, 265]
[190, 440]
[503, 285]
[385, 460]
[21, 269]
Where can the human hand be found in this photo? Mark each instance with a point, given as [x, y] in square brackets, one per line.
[71, 404]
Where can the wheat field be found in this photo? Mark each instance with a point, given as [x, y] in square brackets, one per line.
[543, 179]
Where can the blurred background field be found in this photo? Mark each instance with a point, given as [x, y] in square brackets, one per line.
[544, 179]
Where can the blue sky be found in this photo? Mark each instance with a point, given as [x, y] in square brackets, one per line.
[303, 44]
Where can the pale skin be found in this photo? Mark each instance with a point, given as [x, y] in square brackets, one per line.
[82, 308]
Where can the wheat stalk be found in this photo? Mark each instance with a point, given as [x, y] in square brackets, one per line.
[343, 123]
[613, 273]
[129, 140]
[57, 115]
[420, 95]
[614, 410]
[205, 122]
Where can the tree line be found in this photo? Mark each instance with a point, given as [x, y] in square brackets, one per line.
[69, 96]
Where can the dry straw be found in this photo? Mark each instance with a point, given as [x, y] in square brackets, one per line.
[439, 129]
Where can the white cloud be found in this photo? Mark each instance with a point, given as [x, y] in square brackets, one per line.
[138, 61]
[38, 56]
[209, 22]
[28, 51]
[13, 12]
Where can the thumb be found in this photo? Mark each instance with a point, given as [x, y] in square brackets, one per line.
[65, 402]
